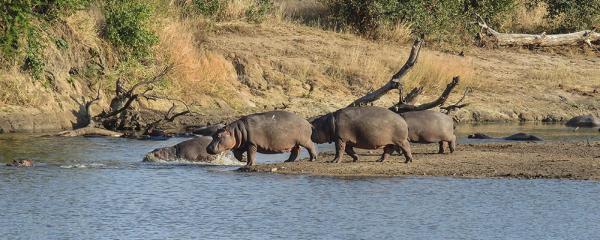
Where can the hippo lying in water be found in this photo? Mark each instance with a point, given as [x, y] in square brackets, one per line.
[193, 150]
[363, 127]
[514, 137]
[20, 163]
[430, 127]
[269, 132]
[585, 121]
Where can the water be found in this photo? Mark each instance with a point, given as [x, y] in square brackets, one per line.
[97, 188]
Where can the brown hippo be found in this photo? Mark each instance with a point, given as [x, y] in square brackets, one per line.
[207, 130]
[21, 163]
[193, 150]
[585, 121]
[269, 132]
[363, 127]
[430, 127]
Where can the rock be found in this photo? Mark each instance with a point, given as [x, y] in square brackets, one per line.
[21, 163]
[586, 121]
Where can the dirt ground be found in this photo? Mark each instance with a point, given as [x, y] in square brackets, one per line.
[499, 160]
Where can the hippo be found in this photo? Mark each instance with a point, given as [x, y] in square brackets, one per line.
[514, 137]
[363, 127]
[208, 130]
[268, 132]
[585, 121]
[20, 163]
[193, 150]
[430, 127]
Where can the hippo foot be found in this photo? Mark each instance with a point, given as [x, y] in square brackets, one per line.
[335, 161]
[408, 161]
[289, 160]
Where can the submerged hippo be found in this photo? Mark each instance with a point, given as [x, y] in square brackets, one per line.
[430, 127]
[585, 121]
[363, 127]
[514, 137]
[269, 132]
[193, 150]
[208, 130]
[20, 163]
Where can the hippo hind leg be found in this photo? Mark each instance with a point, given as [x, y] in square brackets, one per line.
[452, 144]
[405, 147]
[387, 150]
[294, 154]
[340, 147]
[441, 148]
[350, 151]
[312, 150]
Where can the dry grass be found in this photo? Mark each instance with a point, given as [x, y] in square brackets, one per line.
[197, 74]
[528, 20]
[17, 89]
[400, 32]
[434, 70]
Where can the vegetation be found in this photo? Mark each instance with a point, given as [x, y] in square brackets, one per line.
[128, 27]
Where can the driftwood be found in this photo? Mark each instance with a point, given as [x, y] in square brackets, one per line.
[541, 40]
[395, 81]
[407, 103]
[117, 118]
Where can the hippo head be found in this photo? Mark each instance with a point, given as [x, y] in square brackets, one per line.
[222, 140]
[165, 154]
[322, 129]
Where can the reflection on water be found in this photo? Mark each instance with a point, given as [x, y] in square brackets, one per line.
[98, 188]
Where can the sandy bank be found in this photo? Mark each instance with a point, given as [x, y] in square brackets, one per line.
[506, 160]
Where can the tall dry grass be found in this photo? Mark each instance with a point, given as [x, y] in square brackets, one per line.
[434, 71]
[197, 73]
[17, 89]
[528, 19]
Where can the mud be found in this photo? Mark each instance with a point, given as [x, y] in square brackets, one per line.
[500, 160]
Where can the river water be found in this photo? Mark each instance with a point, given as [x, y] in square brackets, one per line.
[98, 188]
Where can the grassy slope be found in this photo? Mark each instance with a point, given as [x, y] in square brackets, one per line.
[235, 68]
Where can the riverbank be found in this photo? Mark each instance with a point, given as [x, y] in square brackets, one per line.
[561, 160]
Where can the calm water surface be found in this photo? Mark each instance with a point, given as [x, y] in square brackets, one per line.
[97, 188]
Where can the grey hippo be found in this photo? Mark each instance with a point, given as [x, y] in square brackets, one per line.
[193, 150]
[585, 121]
[363, 127]
[20, 163]
[514, 137]
[430, 127]
[268, 132]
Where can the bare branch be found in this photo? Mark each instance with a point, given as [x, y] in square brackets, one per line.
[152, 80]
[395, 81]
[411, 97]
[438, 102]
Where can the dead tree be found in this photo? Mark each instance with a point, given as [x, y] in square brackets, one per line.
[407, 103]
[488, 35]
[121, 116]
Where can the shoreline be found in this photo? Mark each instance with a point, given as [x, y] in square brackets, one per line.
[520, 160]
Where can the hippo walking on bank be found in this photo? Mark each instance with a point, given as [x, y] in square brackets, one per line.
[269, 132]
[363, 127]
[193, 150]
[430, 127]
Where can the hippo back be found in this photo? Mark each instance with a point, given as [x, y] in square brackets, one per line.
[429, 126]
[583, 121]
[369, 127]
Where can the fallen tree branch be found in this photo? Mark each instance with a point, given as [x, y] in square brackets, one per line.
[540, 40]
[458, 105]
[395, 81]
[403, 107]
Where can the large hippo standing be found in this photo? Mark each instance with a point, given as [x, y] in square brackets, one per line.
[193, 150]
[430, 127]
[585, 121]
[363, 127]
[269, 132]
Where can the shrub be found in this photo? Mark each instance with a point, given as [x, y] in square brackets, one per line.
[574, 15]
[210, 8]
[128, 27]
[258, 11]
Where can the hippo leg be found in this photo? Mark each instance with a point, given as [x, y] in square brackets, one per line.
[294, 154]
[387, 150]
[441, 149]
[312, 151]
[251, 155]
[238, 154]
[405, 146]
[452, 144]
[350, 151]
[340, 146]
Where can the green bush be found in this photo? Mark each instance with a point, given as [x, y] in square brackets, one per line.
[258, 12]
[128, 27]
[21, 25]
[438, 19]
[574, 15]
[210, 8]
